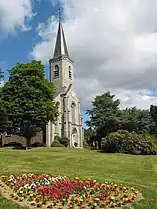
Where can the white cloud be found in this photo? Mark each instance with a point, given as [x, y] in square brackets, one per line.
[114, 46]
[15, 14]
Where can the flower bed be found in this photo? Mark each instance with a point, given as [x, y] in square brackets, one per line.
[48, 191]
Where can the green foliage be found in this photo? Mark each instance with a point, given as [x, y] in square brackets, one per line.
[64, 141]
[86, 145]
[153, 113]
[129, 143]
[111, 125]
[56, 142]
[106, 117]
[88, 133]
[3, 119]
[104, 108]
[133, 119]
[61, 141]
[28, 97]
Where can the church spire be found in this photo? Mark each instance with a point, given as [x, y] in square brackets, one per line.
[61, 49]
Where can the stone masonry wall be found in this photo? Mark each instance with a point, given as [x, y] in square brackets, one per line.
[21, 140]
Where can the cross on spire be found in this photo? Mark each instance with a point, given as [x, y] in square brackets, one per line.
[59, 14]
[61, 49]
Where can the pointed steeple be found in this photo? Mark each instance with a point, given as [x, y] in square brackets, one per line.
[61, 49]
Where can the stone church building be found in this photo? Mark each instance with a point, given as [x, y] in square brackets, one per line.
[69, 123]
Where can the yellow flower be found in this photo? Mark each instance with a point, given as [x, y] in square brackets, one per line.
[22, 198]
[32, 202]
[97, 199]
[95, 204]
[39, 203]
[94, 181]
[112, 197]
[13, 194]
[31, 195]
[77, 178]
[50, 204]
[81, 200]
[114, 204]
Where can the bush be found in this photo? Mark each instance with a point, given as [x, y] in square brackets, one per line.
[64, 141]
[129, 143]
[56, 143]
[86, 145]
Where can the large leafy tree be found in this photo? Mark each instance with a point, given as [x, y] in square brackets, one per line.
[104, 107]
[153, 114]
[28, 99]
[3, 120]
[3, 113]
[133, 119]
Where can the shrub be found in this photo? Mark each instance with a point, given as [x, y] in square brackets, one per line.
[129, 143]
[86, 145]
[57, 138]
[56, 142]
[64, 141]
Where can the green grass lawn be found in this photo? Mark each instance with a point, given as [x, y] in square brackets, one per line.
[137, 171]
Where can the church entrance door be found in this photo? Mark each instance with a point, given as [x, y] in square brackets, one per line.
[74, 137]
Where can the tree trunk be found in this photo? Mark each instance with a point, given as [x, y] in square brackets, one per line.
[28, 142]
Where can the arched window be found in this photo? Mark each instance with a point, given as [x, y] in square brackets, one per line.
[73, 112]
[70, 73]
[56, 71]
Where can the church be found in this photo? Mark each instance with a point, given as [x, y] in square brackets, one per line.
[69, 122]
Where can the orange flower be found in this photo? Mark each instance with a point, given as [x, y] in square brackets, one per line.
[60, 206]
[90, 201]
[105, 202]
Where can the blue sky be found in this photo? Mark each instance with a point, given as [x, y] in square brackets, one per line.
[16, 48]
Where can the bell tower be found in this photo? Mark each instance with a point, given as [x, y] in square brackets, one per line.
[61, 66]
[69, 121]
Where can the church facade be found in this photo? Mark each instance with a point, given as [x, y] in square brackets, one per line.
[69, 122]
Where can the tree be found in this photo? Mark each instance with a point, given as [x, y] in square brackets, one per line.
[3, 119]
[104, 108]
[28, 99]
[133, 119]
[88, 133]
[153, 114]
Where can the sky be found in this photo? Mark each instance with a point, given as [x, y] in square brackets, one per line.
[113, 44]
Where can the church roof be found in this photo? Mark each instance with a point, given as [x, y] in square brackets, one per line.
[61, 49]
